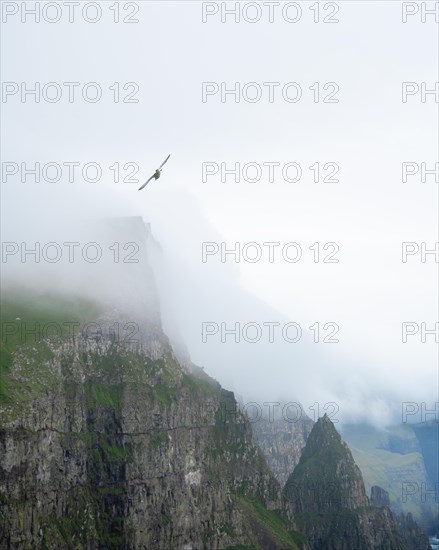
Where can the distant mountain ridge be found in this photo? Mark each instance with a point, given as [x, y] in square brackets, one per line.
[403, 459]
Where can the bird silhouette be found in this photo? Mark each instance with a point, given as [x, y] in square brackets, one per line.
[156, 174]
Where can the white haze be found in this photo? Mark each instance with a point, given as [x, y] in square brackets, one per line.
[369, 293]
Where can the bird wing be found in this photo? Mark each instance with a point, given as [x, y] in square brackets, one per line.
[146, 182]
[165, 161]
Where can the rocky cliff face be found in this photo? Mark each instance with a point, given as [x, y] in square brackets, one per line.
[326, 478]
[412, 534]
[282, 442]
[330, 504]
[379, 497]
[114, 449]
[107, 441]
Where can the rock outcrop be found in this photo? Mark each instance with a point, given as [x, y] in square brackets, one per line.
[379, 497]
[411, 532]
[282, 441]
[329, 501]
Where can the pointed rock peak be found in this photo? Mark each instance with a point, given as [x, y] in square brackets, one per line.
[326, 478]
[324, 434]
[325, 420]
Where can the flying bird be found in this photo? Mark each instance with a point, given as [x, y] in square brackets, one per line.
[156, 174]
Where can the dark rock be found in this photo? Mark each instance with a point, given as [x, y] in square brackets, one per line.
[108, 444]
[282, 442]
[379, 497]
[329, 502]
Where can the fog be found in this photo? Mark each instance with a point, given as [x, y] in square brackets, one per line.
[192, 293]
[368, 213]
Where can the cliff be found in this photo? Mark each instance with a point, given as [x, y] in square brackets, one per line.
[282, 442]
[329, 501]
[112, 448]
[107, 441]
[402, 459]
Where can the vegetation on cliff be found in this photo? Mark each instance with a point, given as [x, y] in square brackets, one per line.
[105, 445]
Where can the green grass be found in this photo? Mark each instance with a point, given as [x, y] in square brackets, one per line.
[35, 376]
[198, 386]
[113, 381]
[116, 452]
[383, 468]
[41, 311]
[104, 395]
[390, 469]
[274, 523]
[158, 439]
[164, 394]
[20, 314]
[228, 529]
[166, 519]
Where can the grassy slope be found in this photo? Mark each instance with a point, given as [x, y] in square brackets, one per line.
[21, 313]
[388, 469]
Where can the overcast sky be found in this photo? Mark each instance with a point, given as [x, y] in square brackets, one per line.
[368, 213]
